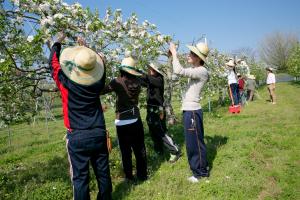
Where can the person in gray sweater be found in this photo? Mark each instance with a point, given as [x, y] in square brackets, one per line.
[192, 113]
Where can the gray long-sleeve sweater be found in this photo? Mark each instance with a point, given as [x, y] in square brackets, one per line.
[198, 76]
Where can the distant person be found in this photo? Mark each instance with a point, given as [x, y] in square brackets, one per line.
[241, 83]
[251, 85]
[156, 114]
[130, 130]
[271, 80]
[192, 113]
[79, 74]
[233, 82]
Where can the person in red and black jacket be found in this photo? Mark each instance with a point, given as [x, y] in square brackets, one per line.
[79, 74]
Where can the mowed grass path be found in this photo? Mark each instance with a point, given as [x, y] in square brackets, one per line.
[253, 155]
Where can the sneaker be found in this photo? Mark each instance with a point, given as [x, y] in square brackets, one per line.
[174, 158]
[193, 179]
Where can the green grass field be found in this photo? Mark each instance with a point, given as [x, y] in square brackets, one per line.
[253, 155]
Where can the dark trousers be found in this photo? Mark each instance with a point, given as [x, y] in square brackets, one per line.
[235, 93]
[86, 146]
[195, 146]
[131, 137]
[158, 131]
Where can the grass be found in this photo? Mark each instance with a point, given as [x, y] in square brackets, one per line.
[253, 155]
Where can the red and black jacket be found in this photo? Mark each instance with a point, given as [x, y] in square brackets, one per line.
[81, 104]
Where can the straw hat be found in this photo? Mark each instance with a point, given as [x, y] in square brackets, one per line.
[230, 63]
[270, 69]
[250, 76]
[129, 65]
[155, 67]
[201, 49]
[81, 65]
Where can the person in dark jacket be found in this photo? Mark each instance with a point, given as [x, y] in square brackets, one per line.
[79, 74]
[130, 130]
[156, 115]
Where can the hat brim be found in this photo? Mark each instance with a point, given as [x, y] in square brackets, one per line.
[130, 70]
[229, 64]
[270, 69]
[77, 75]
[153, 67]
[197, 52]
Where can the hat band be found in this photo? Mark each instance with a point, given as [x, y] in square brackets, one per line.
[202, 54]
[71, 64]
[130, 67]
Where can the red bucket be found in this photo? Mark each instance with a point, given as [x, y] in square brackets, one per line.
[234, 109]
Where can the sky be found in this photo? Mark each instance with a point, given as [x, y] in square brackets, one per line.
[228, 24]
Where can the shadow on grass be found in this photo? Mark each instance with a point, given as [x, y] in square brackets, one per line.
[295, 83]
[18, 180]
[212, 145]
[154, 160]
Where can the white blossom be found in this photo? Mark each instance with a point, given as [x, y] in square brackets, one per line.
[45, 7]
[58, 16]
[30, 38]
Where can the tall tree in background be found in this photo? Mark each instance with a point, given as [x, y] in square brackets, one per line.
[293, 64]
[275, 49]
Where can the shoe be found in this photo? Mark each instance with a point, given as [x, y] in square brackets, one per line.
[174, 158]
[273, 103]
[193, 179]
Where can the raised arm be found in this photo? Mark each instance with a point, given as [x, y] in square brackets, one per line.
[178, 69]
[55, 68]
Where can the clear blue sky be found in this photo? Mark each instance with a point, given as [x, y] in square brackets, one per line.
[228, 24]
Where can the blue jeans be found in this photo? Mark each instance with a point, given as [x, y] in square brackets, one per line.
[235, 93]
[195, 146]
[86, 146]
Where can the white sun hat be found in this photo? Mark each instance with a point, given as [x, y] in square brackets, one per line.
[270, 69]
[201, 49]
[81, 65]
[230, 63]
[129, 65]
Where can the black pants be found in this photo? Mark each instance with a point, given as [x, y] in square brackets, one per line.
[131, 137]
[86, 146]
[158, 131]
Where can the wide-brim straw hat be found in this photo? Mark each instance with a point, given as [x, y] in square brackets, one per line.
[129, 65]
[230, 63]
[270, 69]
[251, 76]
[201, 50]
[81, 65]
[155, 67]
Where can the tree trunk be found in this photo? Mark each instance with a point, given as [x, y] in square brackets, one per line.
[171, 119]
[9, 135]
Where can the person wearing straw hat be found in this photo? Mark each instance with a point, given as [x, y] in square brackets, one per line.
[192, 113]
[130, 131]
[156, 114]
[251, 85]
[79, 74]
[233, 82]
[271, 80]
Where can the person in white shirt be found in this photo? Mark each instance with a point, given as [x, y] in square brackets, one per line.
[233, 82]
[192, 113]
[271, 80]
